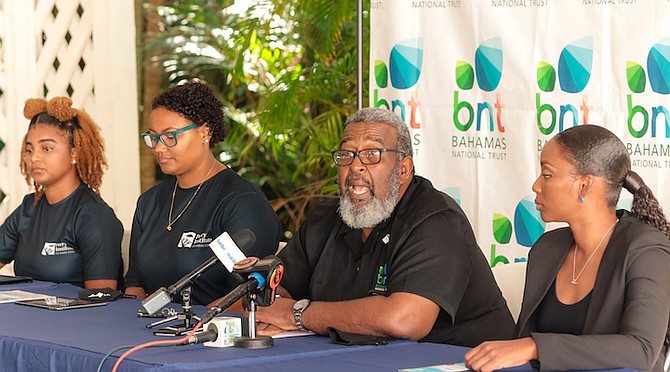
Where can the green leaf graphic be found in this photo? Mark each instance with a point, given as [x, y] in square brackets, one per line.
[636, 77]
[546, 76]
[465, 75]
[502, 228]
[381, 74]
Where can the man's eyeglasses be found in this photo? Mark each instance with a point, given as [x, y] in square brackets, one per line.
[169, 139]
[366, 156]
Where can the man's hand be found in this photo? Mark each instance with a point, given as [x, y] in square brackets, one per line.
[400, 315]
[494, 355]
[265, 329]
[279, 315]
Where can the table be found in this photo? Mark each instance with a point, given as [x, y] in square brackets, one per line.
[33, 339]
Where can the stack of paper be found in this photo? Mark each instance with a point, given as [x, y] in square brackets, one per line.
[17, 295]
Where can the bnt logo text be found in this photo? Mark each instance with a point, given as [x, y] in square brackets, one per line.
[488, 70]
[658, 69]
[404, 69]
[574, 72]
[382, 276]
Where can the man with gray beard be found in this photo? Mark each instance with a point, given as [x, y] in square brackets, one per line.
[394, 258]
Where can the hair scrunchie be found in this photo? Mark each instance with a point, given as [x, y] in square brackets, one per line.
[61, 109]
[633, 182]
[58, 107]
[34, 106]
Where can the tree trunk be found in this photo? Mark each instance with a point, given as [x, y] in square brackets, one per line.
[149, 23]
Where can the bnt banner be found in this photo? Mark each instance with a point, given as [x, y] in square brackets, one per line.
[483, 84]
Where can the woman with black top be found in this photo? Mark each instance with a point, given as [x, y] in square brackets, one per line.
[64, 232]
[597, 292]
[176, 220]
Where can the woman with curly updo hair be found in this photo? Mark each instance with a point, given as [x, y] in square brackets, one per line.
[64, 231]
[176, 220]
[597, 292]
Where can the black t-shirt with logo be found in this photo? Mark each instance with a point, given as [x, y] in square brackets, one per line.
[427, 247]
[225, 202]
[74, 240]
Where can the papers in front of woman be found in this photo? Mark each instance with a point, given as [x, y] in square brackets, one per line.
[18, 295]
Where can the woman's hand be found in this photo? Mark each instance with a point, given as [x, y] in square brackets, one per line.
[494, 355]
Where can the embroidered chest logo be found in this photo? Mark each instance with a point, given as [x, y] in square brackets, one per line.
[191, 239]
[380, 285]
[56, 249]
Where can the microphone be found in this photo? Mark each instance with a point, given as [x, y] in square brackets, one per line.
[264, 277]
[231, 297]
[162, 296]
[219, 332]
[211, 334]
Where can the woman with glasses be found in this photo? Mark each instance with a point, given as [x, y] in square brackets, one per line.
[176, 220]
[63, 232]
[597, 292]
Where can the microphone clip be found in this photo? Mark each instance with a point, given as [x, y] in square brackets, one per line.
[268, 271]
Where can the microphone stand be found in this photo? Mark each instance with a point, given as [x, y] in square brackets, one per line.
[189, 317]
[253, 341]
[163, 296]
[260, 285]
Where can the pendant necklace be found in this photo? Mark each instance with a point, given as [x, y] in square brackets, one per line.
[174, 192]
[574, 256]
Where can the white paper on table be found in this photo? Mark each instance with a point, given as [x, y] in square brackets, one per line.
[18, 295]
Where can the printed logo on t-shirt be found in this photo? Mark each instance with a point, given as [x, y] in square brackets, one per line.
[380, 285]
[191, 239]
[55, 249]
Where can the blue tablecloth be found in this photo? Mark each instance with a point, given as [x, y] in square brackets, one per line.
[33, 339]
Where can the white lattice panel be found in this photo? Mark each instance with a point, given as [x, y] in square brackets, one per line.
[84, 49]
[4, 171]
[4, 166]
[65, 48]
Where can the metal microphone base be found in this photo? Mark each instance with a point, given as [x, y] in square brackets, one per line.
[188, 317]
[258, 342]
[253, 341]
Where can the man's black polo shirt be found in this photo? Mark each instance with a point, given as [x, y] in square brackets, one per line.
[427, 247]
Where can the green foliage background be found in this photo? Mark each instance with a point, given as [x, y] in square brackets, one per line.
[286, 72]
